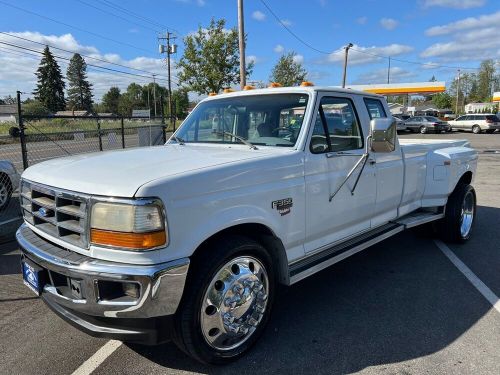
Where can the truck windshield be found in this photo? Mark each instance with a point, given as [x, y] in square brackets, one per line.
[265, 120]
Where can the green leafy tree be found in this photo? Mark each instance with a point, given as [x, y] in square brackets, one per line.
[442, 100]
[180, 103]
[111, 100]
[211, 59]
[50, 86]
[34, 108]
[288, 71]
[79, 88]
[485, 80]
[132, 99]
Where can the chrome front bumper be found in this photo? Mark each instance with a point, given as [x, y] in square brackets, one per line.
[160, 285]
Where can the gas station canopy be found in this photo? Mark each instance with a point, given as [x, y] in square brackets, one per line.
[415, 88]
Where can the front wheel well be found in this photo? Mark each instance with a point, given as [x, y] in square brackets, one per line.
[466, 178]
[259, 233]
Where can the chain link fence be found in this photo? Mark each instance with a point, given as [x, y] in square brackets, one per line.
[43, 138]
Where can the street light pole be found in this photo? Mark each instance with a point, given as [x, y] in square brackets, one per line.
[345, 63]
[241, 42]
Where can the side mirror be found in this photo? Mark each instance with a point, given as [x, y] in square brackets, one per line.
[383, 134]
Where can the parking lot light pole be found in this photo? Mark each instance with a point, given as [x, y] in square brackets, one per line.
[345, 63]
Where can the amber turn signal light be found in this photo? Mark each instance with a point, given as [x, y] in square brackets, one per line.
[134, 241]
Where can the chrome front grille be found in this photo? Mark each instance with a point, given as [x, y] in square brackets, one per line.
[59, 213]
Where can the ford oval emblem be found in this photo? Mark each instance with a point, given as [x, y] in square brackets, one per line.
[43, 212]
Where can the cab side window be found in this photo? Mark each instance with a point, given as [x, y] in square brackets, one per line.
[375, 108]
[337, 127]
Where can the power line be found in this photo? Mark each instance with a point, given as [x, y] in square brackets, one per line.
[117, 16]
[137, 15]
[68, 51]
[291, 32]
[411, 62]
[354, 49]
[73, 27]
[94, 66]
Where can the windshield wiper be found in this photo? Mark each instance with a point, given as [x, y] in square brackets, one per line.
[241, 139]
[179, 140]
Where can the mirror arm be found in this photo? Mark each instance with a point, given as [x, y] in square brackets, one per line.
[364, 159]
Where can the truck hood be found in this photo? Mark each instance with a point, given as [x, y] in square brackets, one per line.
[121, 173]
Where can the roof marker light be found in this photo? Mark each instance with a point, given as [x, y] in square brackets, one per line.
[212, 94]
[228, 90]
[275, 84]
[306, 84]
[248, 87]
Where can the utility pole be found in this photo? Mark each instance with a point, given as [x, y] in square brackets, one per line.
[345, 63]
[241, 38]
[458, 92]
[169, 49]
[389, 71]
[154, 92]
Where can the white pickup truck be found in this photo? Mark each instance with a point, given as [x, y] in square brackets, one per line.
[189, 241]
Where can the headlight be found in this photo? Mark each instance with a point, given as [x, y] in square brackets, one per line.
[135, 225]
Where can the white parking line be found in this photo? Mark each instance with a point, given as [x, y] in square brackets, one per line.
[480, 286]
[98, 358]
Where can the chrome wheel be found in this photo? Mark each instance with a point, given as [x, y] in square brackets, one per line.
[467, 214]
[234, 303]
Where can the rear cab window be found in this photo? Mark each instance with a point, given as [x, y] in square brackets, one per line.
[375, 108]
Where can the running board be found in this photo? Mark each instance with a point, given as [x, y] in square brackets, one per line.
[335, 254]
[420, 217]
[331, 255]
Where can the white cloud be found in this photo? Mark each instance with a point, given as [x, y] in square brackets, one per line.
[465, 24]
[258, 15]
[298, 59]
[362, 20]
[200, 3]
[279, 48]
[457, 4]
[252, 59]
[17, 67]
[470, 39]
[397, 74]
[364, 55]
[286, 22]
[389, 23]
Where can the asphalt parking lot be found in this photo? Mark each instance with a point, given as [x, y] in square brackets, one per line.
[400, 307]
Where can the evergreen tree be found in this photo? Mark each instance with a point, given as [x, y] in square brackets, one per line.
[50, 87]
[79, 90]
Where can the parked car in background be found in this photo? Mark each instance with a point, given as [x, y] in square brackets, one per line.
[400, 124]
[9, 182]
[402, 117]
[487, 122]
[426, 124]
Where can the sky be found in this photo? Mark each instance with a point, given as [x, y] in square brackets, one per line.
[424, 38]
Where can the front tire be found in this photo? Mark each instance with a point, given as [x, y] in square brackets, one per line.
[227, 302]
[460, 215]
[422, 130]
